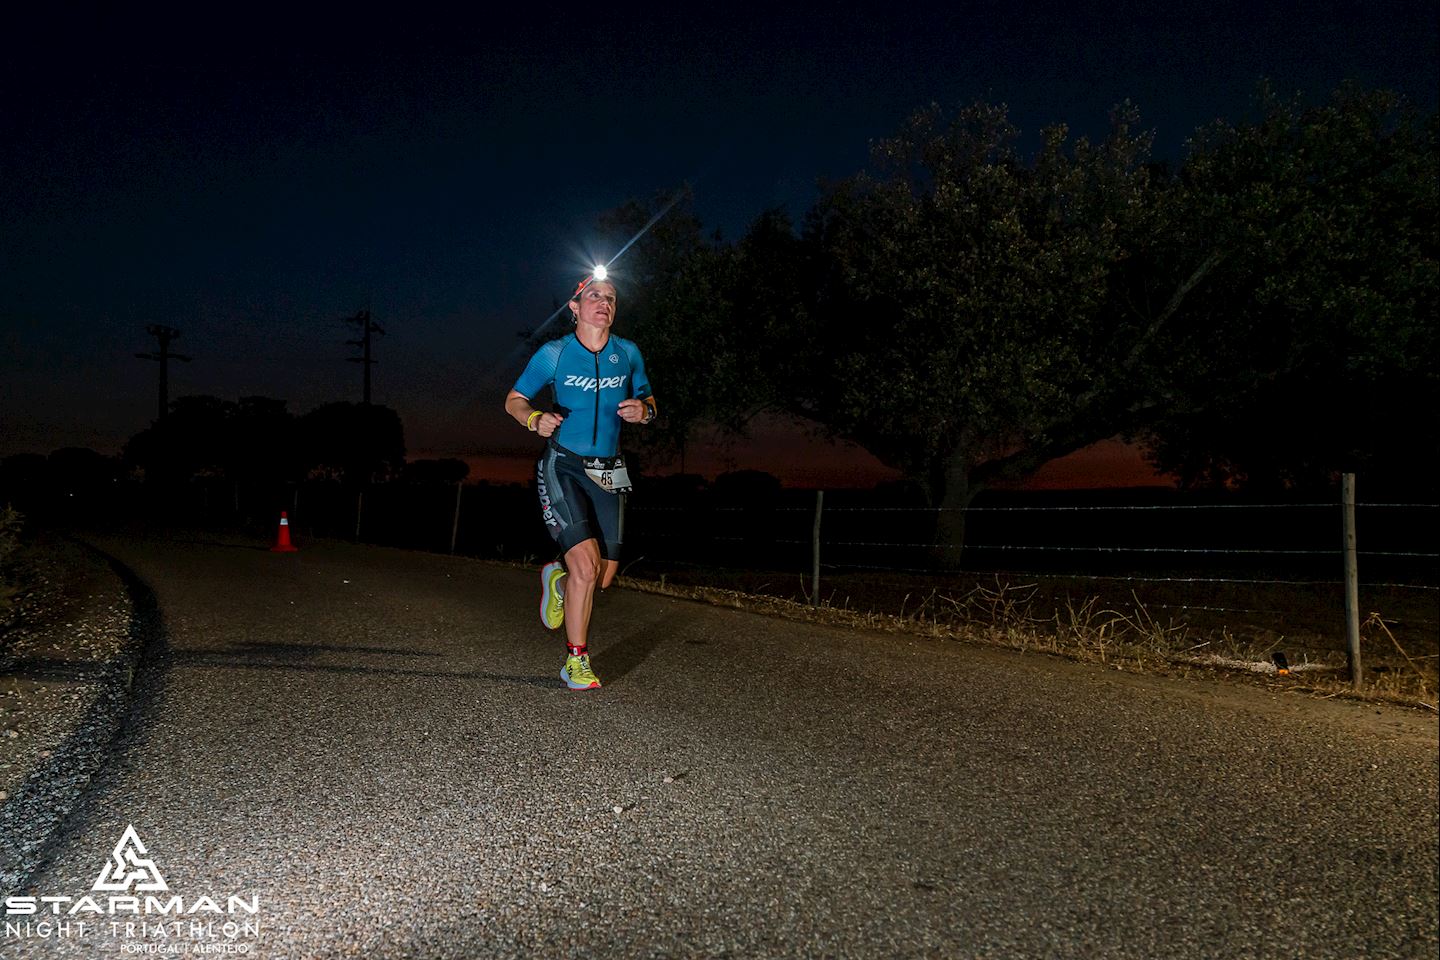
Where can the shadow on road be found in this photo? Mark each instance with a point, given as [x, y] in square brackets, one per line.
[311, 649]
[618, 659]
[239, 657]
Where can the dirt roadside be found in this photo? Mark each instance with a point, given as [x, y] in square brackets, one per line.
[67, 666]
[1241, 690]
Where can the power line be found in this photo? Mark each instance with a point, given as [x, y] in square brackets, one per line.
[367, 327]
[163, 356]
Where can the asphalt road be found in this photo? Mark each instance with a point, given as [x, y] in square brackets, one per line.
[376, 744]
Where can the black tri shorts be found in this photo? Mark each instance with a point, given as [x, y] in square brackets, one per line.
[573, 506]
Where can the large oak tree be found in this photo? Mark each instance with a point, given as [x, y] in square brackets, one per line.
[1310, 349]
[966, 313]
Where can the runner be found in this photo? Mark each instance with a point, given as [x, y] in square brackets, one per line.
[599, 380]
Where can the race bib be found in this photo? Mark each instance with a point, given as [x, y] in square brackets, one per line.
[609, 473]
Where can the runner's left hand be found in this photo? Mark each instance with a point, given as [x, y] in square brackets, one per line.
[632, 411]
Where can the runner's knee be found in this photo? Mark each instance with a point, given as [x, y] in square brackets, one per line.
[583, 563]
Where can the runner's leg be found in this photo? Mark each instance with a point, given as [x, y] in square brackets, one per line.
[583, 563]
[608, 509]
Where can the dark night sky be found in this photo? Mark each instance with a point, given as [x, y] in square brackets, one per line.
[254, 180]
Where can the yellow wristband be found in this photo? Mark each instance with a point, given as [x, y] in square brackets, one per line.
[530, 420]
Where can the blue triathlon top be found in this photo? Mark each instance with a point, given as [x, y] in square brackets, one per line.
[588, 389]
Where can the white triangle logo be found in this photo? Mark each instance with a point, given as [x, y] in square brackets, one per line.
[129, 865]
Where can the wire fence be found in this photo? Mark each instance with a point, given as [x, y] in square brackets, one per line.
[1208, 537]
[1260, 572]
[1263, 569]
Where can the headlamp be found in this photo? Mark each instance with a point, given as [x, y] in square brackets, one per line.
[597, 272]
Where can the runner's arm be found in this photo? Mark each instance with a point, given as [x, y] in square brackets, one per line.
[640, 385]
[637, 410]
[519, 407]
[538, 373]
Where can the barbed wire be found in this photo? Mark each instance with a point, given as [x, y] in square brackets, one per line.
[1243, 581]
[1040, 548]
[1273, 613]
[938, 571]
[1234, 580]
[1207, 608]
[942, 572]
[1042, 508]
[714, 539]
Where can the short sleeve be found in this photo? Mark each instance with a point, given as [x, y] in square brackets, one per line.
[540, 371]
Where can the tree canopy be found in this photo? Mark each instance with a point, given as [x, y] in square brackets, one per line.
[1309, 349]
[1262, 314]
[674, 300]
[356, 443]
[966, 321]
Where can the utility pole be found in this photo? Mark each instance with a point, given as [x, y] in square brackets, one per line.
[367, 327]
[164, 335]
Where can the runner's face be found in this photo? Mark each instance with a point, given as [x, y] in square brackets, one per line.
[597, 305]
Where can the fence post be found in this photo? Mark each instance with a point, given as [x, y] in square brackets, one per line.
[359, 511]
[1352, 581]
[815, 550]
[455, 524]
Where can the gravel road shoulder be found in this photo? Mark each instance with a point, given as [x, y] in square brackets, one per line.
[67, 666]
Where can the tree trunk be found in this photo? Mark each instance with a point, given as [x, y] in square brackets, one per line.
[955, 496]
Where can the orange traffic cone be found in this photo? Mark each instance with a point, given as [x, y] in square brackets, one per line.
[282, 540]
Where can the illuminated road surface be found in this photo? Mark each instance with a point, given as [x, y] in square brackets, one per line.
[372, 748]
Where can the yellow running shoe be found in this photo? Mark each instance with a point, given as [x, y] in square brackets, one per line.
[577, 673]
[552, 595]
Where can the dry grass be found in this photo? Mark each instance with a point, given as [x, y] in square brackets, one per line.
[1130, 634]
